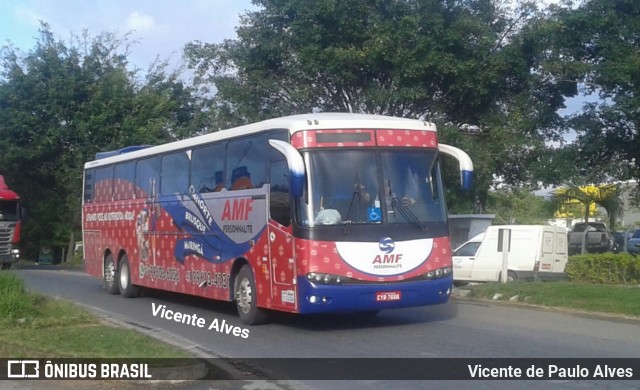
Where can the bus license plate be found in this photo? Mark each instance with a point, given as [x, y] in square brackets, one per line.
[386, 296]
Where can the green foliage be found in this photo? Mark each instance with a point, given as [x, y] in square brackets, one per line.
[604, 268]
[493, 78]
[522, 207]
[20, 309]
[60, 104]
[623, 300]
[37, 326]
[465, 64]
[15, 304]
[600, 39]
[609, 196]
[388, 57]
[85, 341]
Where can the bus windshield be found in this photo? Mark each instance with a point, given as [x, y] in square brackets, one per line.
[372, 187]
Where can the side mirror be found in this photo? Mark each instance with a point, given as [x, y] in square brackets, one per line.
[466, 165]
[295, 163]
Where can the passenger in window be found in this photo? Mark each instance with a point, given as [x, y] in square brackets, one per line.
[218, 184]
[361, 190]
[346, 201]
[241, 179]
[391, 195]
[219, 181]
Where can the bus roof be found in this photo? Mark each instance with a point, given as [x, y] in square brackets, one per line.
[293, 123]
[124, 150]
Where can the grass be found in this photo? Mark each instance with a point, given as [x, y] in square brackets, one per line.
[614, 299]
[88, 341]
[32, 325]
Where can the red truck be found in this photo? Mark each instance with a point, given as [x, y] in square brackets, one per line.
[10, 225]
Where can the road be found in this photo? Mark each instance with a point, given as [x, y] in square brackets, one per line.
[459, 329]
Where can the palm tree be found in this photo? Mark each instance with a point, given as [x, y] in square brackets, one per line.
[614, 204]
[606, 195]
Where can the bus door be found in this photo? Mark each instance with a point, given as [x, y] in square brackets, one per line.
[281, 242]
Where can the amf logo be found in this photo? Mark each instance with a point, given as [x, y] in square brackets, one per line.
[386, 244]
[386, 256]
[388, 260]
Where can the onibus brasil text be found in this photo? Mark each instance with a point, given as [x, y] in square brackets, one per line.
[56, 370]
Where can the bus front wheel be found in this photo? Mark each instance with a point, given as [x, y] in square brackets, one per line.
[246, 298]
[109, 276]
[127, 288]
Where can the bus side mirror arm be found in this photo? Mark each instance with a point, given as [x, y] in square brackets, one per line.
[466, 165]
[295, 163]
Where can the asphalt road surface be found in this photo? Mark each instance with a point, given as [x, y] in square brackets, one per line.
[459, 329]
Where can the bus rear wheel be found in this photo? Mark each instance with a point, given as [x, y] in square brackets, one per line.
[127, 288]
[110, 275]
[246, 298]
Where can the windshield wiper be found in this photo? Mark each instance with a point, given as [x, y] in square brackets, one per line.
[406, 213]
[348, 222]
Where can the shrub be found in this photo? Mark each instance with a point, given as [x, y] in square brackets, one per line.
[604, 268]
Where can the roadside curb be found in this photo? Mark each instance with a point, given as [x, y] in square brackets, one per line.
[207, 366]
[575, 312]
[200, 365]
[178, 374]
[203, 366]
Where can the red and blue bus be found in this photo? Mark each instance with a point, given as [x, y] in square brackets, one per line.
[311, 213]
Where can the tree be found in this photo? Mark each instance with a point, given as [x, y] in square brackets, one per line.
[521, 207]
[607, 196]
[59, 105]
[469, 65]
[600, 39]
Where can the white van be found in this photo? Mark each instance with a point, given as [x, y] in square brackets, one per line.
[538, 252]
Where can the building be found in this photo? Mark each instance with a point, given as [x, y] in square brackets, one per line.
[463, 227]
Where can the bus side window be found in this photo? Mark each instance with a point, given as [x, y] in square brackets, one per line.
[125, 174]
[174, 180]
[279, 193]
[103, 184]
[247, 162]
[207, 168]
[148, 177]
[88, 185]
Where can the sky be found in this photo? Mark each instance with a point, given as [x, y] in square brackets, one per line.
[161, 27]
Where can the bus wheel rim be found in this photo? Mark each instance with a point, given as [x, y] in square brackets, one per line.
[244, 295]
[109, 271]
[124, 276]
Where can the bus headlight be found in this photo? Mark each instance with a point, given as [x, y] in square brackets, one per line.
[438, 273]
[326, 278]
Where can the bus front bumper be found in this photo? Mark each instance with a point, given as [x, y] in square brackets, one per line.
[325, 298]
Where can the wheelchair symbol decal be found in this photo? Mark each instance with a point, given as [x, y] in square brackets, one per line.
[374, 214]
